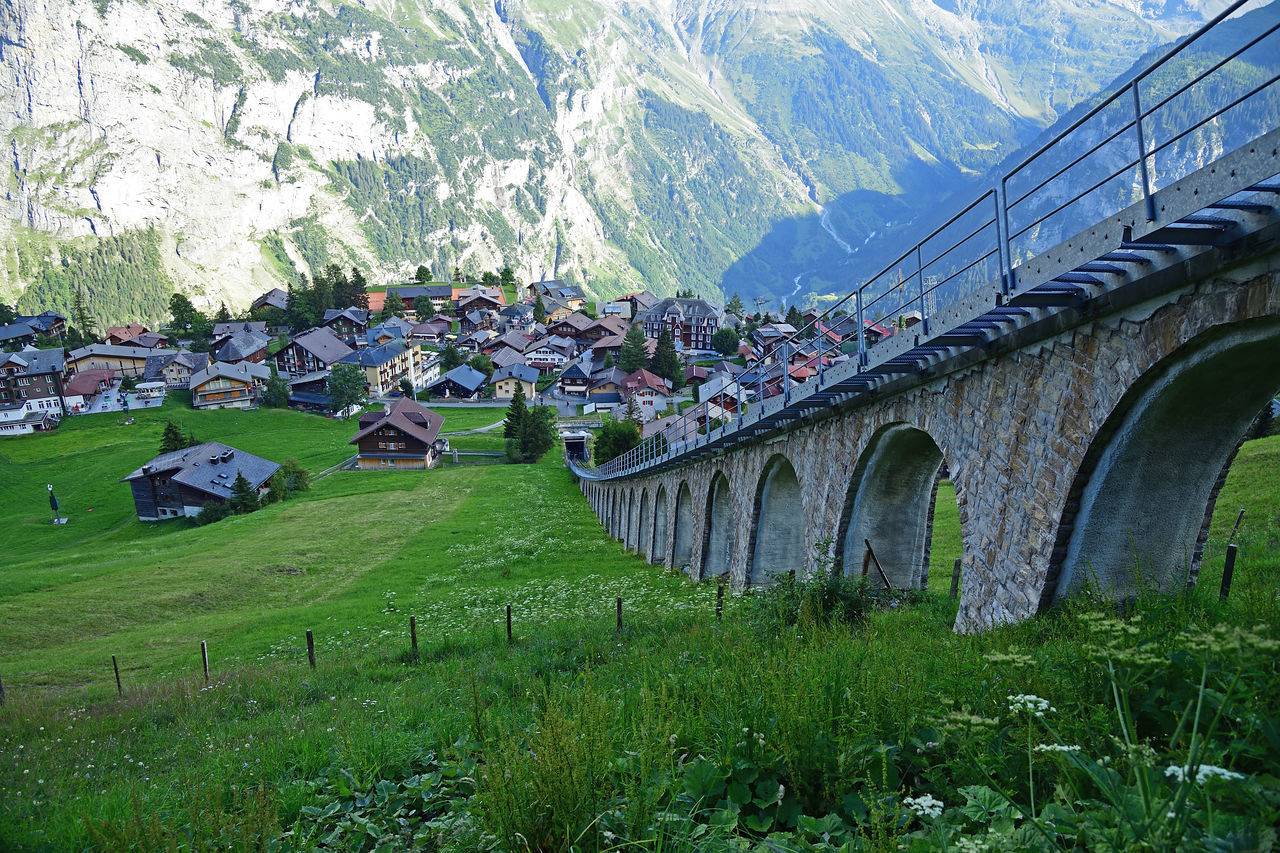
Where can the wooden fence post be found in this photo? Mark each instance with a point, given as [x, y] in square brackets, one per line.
[719, 600]
[508, 623]
[311, 649]
[1, 694]
[955, 580]
[204, 659]
[619, 613]
[413, 635]
[116, 667]
[1227, 571]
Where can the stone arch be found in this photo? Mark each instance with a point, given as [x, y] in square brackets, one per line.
[717, 528]
[890, 503]
[633, 519]
[778, 524]
[643, 540]
[682, 534]
[659, 547]
[1140, 503]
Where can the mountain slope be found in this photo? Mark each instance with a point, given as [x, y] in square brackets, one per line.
[220, 146]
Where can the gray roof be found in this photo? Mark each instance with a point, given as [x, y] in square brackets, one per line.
[682, 307]
[232, 326]
[194, 468]
[375, 355]
[244, 371]
[323, 344]
[523, 372]
[241, 345]
[431, 291]
[196, 361]
[359, 316]
[42, 322]
[112, 351]
[275, 297]
[34, 360]
[15, 330]
[397, 327]
[506, 356]
[463, 375]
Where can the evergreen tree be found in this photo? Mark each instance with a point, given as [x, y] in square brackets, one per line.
[423, 307]
[517, 411]
[88, 332]
[7, 314]
[243, 498]
[297, 478]
[632, 412]
[666, 363]
[276, 393]
[277, 488]
[358, 291]
[537, 433]
[794, 317]
[608, 362]
[735, 307]
[223, 315]
[190, 440]
[539, 310]
[172, 439]
[725, 341]
[458, 276]
[406, 388]
[346, 387]
[392, 306]
[451, 357]
[615, 439]
[634, 355]
[482, 363]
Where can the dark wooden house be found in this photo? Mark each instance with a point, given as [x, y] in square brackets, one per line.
[403, 436]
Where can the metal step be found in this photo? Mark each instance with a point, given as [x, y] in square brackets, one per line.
[1078, 278]
[1191, 236]
[1050, 297]
[1099, 267]
[1246, 206]
[1152, 246]
[1125, 258]
[1217, 222]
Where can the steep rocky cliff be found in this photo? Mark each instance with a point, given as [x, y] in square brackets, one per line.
[219, 146]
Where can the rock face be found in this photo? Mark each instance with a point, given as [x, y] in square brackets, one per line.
[221, 146]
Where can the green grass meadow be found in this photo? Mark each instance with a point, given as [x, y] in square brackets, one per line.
[757, 732]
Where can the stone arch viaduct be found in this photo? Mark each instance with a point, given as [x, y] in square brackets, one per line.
[1085, 402]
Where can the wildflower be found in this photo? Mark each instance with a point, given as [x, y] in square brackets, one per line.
[1057, 747]
[1204, 773]
[925, 805]
[1030, 703]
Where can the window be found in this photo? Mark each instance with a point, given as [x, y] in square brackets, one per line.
[382, 445]
[402, 445]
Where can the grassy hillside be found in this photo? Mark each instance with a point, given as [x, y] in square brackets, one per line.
[678, 733]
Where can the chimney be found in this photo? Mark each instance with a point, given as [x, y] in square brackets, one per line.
[213, 459]
[146, 469]
[227, 455]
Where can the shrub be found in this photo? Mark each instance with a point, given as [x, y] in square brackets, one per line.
[213, 511]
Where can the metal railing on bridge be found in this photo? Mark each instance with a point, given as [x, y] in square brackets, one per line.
[1211, 93]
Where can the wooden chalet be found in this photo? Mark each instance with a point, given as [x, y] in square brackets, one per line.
[402, 436]
[180, 483]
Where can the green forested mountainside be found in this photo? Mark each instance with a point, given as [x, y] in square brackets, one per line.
[617, 146]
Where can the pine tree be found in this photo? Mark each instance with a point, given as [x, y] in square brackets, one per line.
[633, 355]
[537, 433]
[516, 413]
[539, 310]
[608, 362]
[223, 315]
[173, 439]
[735, 307]
[83, 321]
[243, 498]
[665, 362]
[794, 317]
[451, 357]
[358, 295]
[276, 393]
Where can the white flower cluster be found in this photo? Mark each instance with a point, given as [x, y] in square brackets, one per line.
[1030, 703]
[1204, 773]
[925, 805]
[1058, 747]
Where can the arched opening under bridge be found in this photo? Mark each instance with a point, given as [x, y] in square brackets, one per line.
[778, 532]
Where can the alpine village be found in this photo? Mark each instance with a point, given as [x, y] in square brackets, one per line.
[586, 427]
